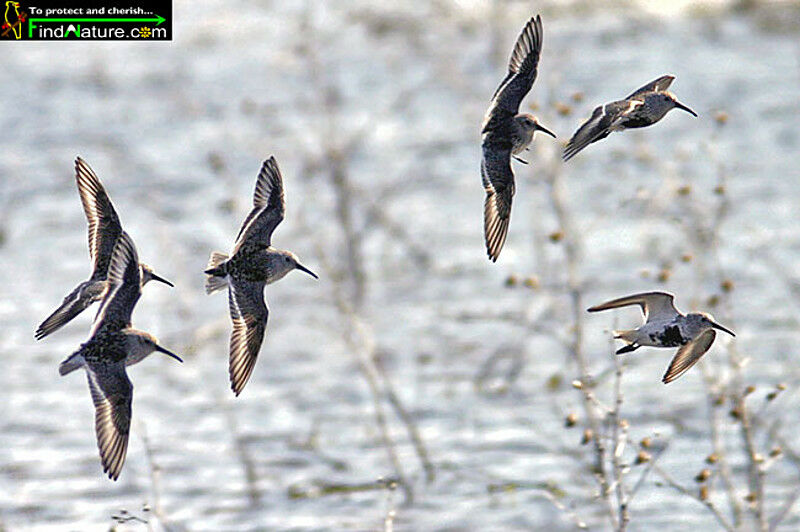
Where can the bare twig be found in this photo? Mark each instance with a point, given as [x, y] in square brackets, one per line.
[707, 503]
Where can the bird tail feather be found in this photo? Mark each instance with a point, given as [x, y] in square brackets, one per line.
[216, 277]
[73, 362]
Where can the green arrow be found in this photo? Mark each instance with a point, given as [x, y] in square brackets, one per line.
[158, 20]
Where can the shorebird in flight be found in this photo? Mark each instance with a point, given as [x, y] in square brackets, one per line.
[104, 231]
[642, 108]
[253, 264]
[666, 326]
[114, 344]
[506, 133]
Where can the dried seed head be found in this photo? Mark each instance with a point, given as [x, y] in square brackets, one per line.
[721, 117]
[563, 109]
[664, 275]
[531, 282]
[712, 458]
[775, 451]
[571, 420]
[684, 190]
[703, 475]
[703, 492]
[750, 389]
[588, 435]
[512, 280]
[643, 457]
[726, 285]
[556, 236]
[577, 384]
[719, 190]
[686, 257]
[646, 443]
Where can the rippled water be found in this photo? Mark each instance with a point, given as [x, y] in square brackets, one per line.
[177, 132]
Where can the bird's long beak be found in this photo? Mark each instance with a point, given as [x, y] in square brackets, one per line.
[721, 328]
[545, 130]
[304, 269]
[679, 105]
[161, 280]
[169, 353]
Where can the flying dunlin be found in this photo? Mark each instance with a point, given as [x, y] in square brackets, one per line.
[104, 231]
[114, 344]
[506, 133]
[666, 326]
[643, 108]
[253, 264]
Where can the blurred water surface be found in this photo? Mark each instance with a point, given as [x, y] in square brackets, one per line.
[395, 95]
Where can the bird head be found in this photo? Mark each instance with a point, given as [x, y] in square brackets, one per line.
[148, 275]
[142, 344]
[530, 123]
[706, 321]
[671, 100]
[288, 261]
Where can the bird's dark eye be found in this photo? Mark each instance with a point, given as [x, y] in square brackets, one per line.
[286, 259]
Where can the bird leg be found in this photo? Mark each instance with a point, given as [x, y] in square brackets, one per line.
[520, 160]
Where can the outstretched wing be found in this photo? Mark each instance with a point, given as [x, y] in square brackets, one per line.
[498, 182]
[657, 85]
[124, 285]
[652, 304]
[688, 355]
[598, 126]
[76, 302]
[269, 207]
[522, 70]
[112, 394]
[249, 316]
[104, 224]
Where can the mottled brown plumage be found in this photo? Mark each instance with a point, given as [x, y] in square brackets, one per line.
[505, 133]
[104, 231]
[253, 264]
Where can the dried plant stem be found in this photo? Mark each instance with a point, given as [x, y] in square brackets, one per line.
[155, 475]
[619, 438]
[755, 471]
[707, 503]
[243, 455]
[574, 288]
[718, 448]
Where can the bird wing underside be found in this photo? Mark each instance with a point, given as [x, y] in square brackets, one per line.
[654, 305]
[269, 207]
[602, 122]
[522, 70]
[249, 316]
[688, 355]
[124, 285]
[498, 182]
[112, 394]
[73, 304]
[657, 85]
[104, 224]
